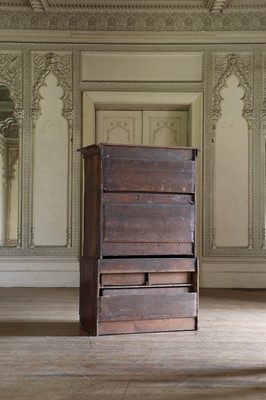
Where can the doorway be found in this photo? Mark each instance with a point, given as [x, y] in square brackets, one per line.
[142, 127]
[152, 103]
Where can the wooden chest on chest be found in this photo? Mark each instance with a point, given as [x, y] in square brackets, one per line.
[139, 271]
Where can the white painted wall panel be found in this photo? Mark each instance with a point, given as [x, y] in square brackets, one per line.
[231, 170]
[141, 67]
[39, 272]
[123, 127]
[240, 272]
[50, 169]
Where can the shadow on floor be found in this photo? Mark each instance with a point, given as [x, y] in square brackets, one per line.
[25, 328]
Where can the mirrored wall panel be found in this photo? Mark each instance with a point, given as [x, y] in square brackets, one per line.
[9, 169]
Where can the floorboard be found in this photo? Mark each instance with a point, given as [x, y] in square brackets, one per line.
[44, 354]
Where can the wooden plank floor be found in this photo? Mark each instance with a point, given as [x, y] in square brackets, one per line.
[44, 355]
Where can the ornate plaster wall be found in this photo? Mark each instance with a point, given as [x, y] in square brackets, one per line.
[25, 68]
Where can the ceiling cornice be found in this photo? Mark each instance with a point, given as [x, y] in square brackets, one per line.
[217, 5]
[56, 6]
[134, 21]
[38, 5]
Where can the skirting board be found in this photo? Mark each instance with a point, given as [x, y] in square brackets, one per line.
[39, 272]
[246, 273]
[64, 272]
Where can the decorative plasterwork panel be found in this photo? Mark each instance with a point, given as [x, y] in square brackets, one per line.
[38, 5]
[9, 126]
[13, 159]
[263, 111]
[82, 5]
[241, 66]
[263, 126]
[217, 5]
[60, 65]
[70, 79]
[207, 87]
[11, 75]
[225, 65]
[134, 20]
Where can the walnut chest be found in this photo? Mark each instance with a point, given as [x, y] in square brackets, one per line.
[139, 270]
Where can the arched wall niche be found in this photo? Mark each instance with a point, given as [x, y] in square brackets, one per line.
[24, 73]
[226, 67]
[52, 130]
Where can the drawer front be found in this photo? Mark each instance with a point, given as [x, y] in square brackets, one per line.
[149, 153]
[148, 223]
[146, 265]
[146, 272]
[134, 224]
[144, 290]
[148, 279]
[169, 278]
[147, 249]
[148, 325]
[149, 176]
[123, 279]
[147, 306]
[152, 169]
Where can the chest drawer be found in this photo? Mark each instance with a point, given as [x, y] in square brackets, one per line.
[145, 169]
[146, 272]
[147, 306]
[139, 168]
[142, 279]
[140, 224]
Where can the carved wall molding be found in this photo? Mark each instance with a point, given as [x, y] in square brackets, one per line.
[3, 155]
[76, 5]
[134, 20]
[240, 65]
[143, 86]
[83, 5]
[9, 126]
[205, 87]
[61, 65]
[224, 65]
[38, 5]
[11, 74]
[263, 128]
[216, 5]
[13, 159]
[263, 109]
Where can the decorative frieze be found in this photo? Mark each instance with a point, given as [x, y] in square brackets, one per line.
[153, 20]
[263, 110]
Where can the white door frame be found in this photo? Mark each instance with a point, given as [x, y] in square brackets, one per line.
[193, 102]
